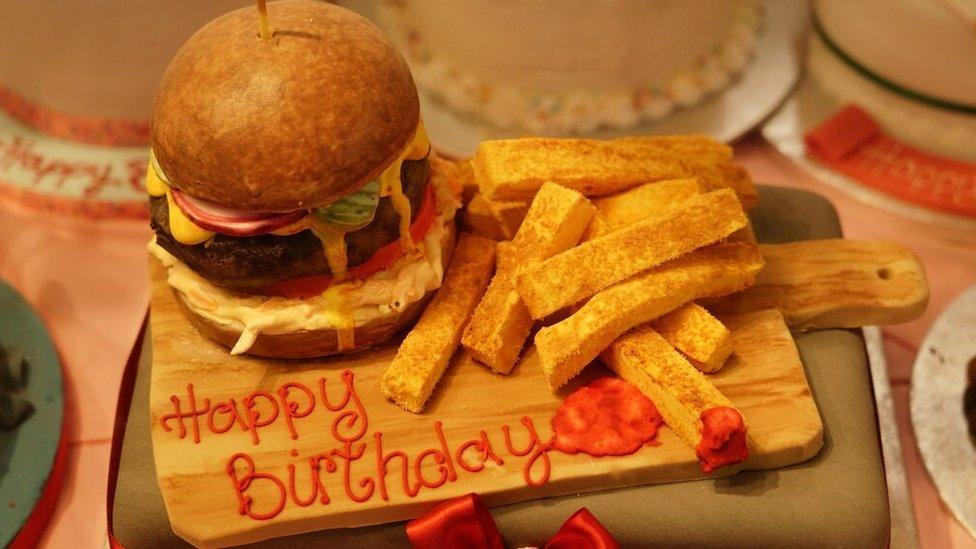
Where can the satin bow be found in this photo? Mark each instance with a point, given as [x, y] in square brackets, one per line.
[465, 523]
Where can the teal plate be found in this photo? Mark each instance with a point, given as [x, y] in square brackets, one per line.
[27, 453]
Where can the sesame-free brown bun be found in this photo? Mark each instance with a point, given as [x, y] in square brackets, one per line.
[292, 122]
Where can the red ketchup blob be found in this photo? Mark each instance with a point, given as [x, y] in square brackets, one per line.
[608, 417]
[723, 440]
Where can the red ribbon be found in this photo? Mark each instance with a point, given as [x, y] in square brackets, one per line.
[465, 522]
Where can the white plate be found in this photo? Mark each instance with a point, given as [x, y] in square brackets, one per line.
[729, 114]
[938, 385]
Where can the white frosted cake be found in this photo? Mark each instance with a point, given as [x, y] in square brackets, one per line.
[97, 58]
[572, 66]
[910, 63]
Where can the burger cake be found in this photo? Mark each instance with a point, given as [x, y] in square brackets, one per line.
[295, 200]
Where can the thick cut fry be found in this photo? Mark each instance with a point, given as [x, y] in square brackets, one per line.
[426, 351]
[505, 258]
[737, 178]
[580, 272]
[514, 169]
[554, 223]
[690, 329]
[698, 335]
[494, 220]
[501, 323]
[710, 159]
[701, 147]
[648, 200]
[681, 393]
[745, 234]
[567, 346]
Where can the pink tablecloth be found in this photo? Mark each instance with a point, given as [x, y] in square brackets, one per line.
[88, 281]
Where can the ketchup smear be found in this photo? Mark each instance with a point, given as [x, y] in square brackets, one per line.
[723, 440]
[608, 417]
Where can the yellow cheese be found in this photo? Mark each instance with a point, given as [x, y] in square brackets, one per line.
[154, 185]
[391, 184]
[420, 145]
[337, 308]
[334, 243]
[180, 226]
[187, 232]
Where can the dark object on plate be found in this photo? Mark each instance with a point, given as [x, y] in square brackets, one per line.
[14, 409]
[14, 406]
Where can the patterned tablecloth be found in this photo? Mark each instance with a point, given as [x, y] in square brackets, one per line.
[88, 281]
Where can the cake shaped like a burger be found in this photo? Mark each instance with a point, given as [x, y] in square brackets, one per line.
[296, 203]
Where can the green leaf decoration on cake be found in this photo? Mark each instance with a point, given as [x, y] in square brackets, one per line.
[354, 211]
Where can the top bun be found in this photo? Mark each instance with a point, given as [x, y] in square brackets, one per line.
[288, 123]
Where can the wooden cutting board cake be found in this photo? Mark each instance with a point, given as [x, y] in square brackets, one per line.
[248, 449]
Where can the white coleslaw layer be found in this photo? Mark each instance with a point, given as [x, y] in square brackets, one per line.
[382, 294]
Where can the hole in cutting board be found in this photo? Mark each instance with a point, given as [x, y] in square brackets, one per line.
[884, 273]
[969, 399]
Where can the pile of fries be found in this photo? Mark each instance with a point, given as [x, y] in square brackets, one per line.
[605, 247]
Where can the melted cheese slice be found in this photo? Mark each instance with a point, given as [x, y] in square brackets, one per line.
[337, 306]
[391, 183]
[155, 186]
[183, 230]
[334, 243]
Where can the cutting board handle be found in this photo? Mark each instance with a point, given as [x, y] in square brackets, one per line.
[836, 283]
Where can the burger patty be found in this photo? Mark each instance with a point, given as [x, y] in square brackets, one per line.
[252, 262]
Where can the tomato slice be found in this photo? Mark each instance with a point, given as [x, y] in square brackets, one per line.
[308, 286]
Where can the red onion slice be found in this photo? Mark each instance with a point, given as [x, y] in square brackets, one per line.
[230, 221]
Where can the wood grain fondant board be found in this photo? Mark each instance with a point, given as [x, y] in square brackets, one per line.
[835, 283]
[766, 381]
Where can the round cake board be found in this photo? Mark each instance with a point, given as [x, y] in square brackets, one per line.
[45, 173]
[938, 405]
[32, 456]
[727, 115]
[808, 106]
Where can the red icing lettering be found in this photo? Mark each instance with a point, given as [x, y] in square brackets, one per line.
[608, 417]
[242, 484]
[439, 460]
[21, 153]
[193, 414]
[313, 480]
[351, 417]
[262, 495]
[382, 468]
[348, 455]
[482, 445]
[291, 408]
[229, 408]
[445, 452]
[254, 417]
[315, 464]
[723, 440]
[536, 450]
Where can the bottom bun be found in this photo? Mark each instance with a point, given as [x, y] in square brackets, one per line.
[321, 342]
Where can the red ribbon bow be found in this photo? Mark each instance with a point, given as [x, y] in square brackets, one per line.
[465, 522]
